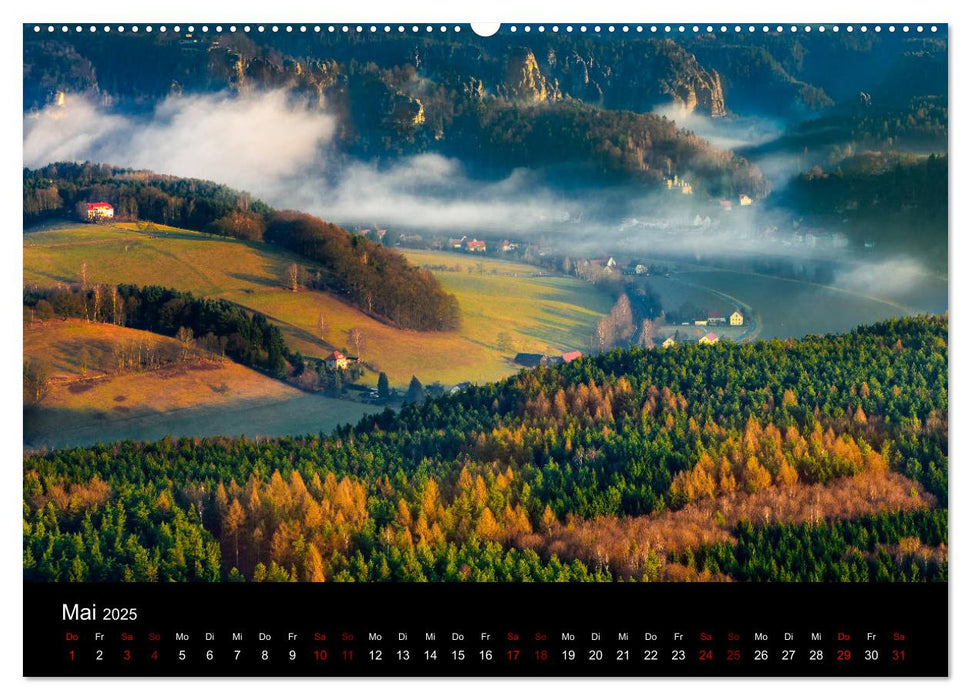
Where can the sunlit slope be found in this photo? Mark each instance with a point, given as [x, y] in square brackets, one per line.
[127, 253]
[533, 313]
[90, 400]
[81, 358]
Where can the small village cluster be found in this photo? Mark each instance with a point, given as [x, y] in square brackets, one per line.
[680, 184]
[718, 318]
[713, 318]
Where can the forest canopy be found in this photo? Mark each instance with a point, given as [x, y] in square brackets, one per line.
[819, 459]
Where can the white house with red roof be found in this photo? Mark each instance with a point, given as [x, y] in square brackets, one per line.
[337, 360]
[100, 210]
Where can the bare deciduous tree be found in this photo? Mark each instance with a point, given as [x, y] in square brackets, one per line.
[355, 337]
[293, 277]
[186, 342]
[323, 328]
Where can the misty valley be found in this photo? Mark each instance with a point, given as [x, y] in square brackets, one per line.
[546, 307]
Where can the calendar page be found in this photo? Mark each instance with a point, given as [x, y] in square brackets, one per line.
[547, 349]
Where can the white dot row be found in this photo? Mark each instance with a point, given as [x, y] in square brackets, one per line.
[414, 29]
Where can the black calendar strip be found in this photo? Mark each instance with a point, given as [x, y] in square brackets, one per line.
[647, 630]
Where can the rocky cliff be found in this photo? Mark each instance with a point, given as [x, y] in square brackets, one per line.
[525, 82]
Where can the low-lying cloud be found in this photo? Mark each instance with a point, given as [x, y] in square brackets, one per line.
[248, 142]
[731, 132]
[283, 151]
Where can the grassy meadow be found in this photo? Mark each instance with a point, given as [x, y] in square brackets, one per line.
[80, 354]
[535, 314]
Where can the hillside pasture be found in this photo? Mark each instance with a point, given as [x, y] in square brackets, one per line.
[534, 311]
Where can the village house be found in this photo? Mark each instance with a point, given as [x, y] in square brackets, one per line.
[708, 339]
[337, 360]
[700, 322]
[456, 243]
[508, 246]
[725, 204]
[531, 359]
[668, 343]
[100, 210]
[475, 246]
[571, 356]
[744, 200]
[736, 319]
[716, 317]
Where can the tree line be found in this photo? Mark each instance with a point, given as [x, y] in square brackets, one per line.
[215, 324]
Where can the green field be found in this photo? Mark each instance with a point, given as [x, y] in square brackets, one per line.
[536, 314]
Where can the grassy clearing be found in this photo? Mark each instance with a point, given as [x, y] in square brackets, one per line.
[537, 314]
[60, 344]
[184, 260]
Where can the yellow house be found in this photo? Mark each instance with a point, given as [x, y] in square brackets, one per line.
[744, 200]
[736, 318]
[708, 339]
[337, 360]
[669, 343]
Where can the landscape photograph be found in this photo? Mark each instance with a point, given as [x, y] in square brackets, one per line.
[409, 304]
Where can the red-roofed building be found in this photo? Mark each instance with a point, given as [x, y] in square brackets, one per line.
[475, 246]
[571, 356]
[708, 339]
[100, 210]
[337, 360]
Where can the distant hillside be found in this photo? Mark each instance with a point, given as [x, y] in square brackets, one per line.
[372, 277]
[402, 95]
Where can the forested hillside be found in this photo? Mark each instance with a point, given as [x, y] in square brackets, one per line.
[377, 280]
[819, 459]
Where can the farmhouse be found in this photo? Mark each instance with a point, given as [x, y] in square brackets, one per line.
[744, 200]
[736, 319]
[531, 359]
[716, 317]
[475, 246]
[668, 343]
[571, 356]
[100, 210]
[337, 360]
[708, 339]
